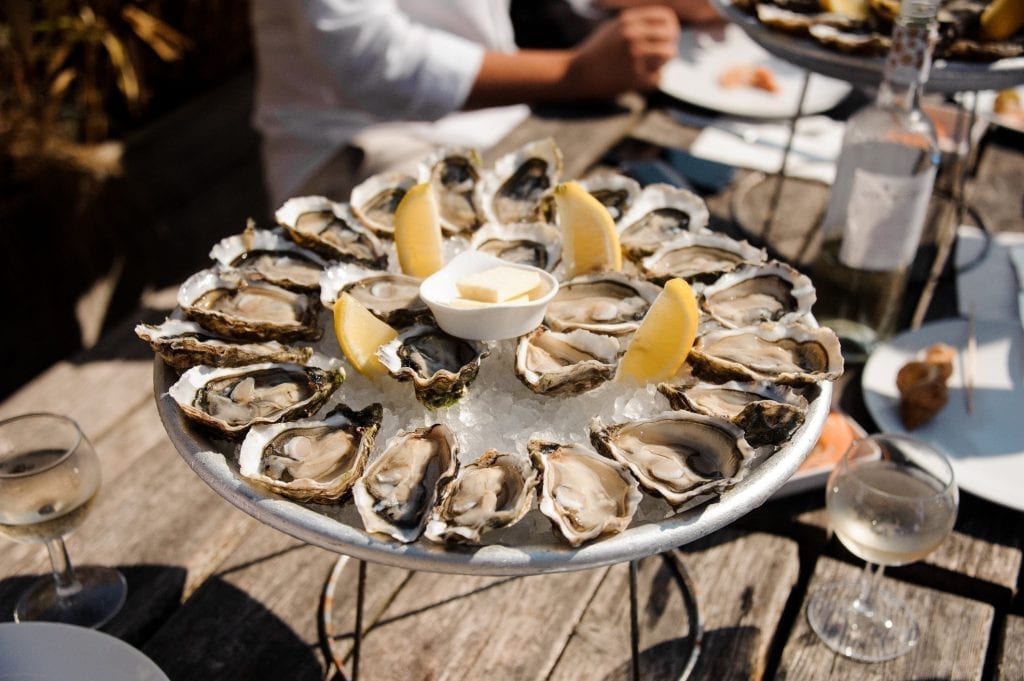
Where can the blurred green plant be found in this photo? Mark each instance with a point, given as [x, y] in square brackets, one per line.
[66, 66]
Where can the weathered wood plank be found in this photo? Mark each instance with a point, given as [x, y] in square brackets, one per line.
[940, 653]
[1011, 655]
[742, 583]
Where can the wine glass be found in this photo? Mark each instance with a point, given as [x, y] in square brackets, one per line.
[49, 475]
[891, 500]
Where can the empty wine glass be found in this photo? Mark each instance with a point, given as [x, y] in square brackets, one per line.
[891, 500]
[49, 475]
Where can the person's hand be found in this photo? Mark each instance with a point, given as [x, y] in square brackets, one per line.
[689, 11]
[624, 53]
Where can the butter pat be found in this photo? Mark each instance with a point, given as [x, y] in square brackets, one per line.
[498, 284]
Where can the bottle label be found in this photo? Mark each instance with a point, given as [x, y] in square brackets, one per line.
[884, 220]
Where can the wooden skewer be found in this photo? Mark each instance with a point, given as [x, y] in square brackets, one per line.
[972, 351]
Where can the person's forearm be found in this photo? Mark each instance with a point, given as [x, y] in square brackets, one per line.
[528, 76]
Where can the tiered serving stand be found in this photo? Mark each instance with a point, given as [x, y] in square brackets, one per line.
[528, 548]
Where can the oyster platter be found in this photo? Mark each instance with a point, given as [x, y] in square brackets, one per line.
[511, 456]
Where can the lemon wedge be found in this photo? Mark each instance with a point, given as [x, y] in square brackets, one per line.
[590, 242]
[1001, 19]
[852, 9]
[360, 334]
[664, 338]
[418, 237]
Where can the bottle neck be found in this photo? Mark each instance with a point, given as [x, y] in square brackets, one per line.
[910, 55]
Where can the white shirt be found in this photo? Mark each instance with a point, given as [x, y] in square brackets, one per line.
[329, 69]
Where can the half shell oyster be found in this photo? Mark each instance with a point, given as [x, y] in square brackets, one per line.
[440, 366]
[331, 230]
[585, 495]
[514, 189]
[398, 489]
[267, 255]
[677, 455]
[606, 302]
[183, 344]
[554, 363]
[537, 244]
[699, 256]
[494, 491]
[232, 399]
[375, 200]
[311, 460]
[660, 214]
[750, 294]
[454, 173]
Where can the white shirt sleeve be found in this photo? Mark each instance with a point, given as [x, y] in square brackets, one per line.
[384, 63]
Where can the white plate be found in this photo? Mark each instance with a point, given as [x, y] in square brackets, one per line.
[45, 651]
[987, 447]
[705, 53]
[987, 100]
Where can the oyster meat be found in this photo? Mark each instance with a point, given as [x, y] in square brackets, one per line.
[455, 173]
[311, 460]
[375, 200]
[767, 413]
[331, 230]
[267, 255]
[234, 398]
[440, 366]
[699, 257]
[395, 494]
[393, 298]
[677, 455]
[606, 302]
[661, 213]
[774, 292]
[537, 244]
[494, 491]
[585, 495]
[554, 363]
[514, 189]
[617, 192]
[183, 344]
[232, 305]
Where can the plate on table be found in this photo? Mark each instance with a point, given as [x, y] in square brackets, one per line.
[987, 447]
[693, 77]
[986, 110]
[47, 651]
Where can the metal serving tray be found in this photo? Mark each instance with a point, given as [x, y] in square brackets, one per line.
[529, 547]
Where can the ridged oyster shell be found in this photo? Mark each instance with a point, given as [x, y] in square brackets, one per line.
[615, 191]
[585, 495]
[311, 460]
[455, 173]
[606, 302]
[396, 493]
[514, 189]
[767, 413]
[331, 230]
[677, 455]
[266, 254]
[183, 344]
[537, 244]
[440, 366]
[750, 294]
[661, 213]
[375, 199]
[234, 398]
[554, 363]
[699, 256]
[232, 305]
[392, 298]
[789, 354]
[494, 491]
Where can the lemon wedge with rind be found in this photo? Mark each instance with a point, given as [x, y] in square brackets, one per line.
[664, 338]
[360, 334]
[590, 242]
[1001, 19]
[857, 10]
[418, 238]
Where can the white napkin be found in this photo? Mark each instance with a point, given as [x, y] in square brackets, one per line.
[759, 146]
[991, 285]
[480, 129]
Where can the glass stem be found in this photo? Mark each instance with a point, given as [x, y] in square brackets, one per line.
[63, 574]
[869, 581]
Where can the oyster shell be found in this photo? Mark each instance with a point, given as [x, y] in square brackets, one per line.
[617, 192]
[232, 305]
[848, 41]
[311, 460]
[514, 189]
[455, 173]
[554, 363]
[606, 302]
[677, 455]
[767, 413]
[789, 354]
[393, 298]
[661, 213]
[267, 255]
[183, 344]
[395, 494]
[774, 292]
[583, 494]
[494, 491]
[440, 366]
[536, 244]
[232, 399]
[375, 200]
[331, 230]
[699, 257]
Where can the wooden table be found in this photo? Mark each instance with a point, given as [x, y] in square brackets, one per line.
[214, 594]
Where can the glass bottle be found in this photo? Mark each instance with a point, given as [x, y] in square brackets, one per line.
[879, 200]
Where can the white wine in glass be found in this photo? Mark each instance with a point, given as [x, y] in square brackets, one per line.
[49, 476]
[891, 500]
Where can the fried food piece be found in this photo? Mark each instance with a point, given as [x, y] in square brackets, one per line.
[922, 385]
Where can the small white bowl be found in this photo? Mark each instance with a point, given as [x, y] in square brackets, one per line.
[496, 321]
